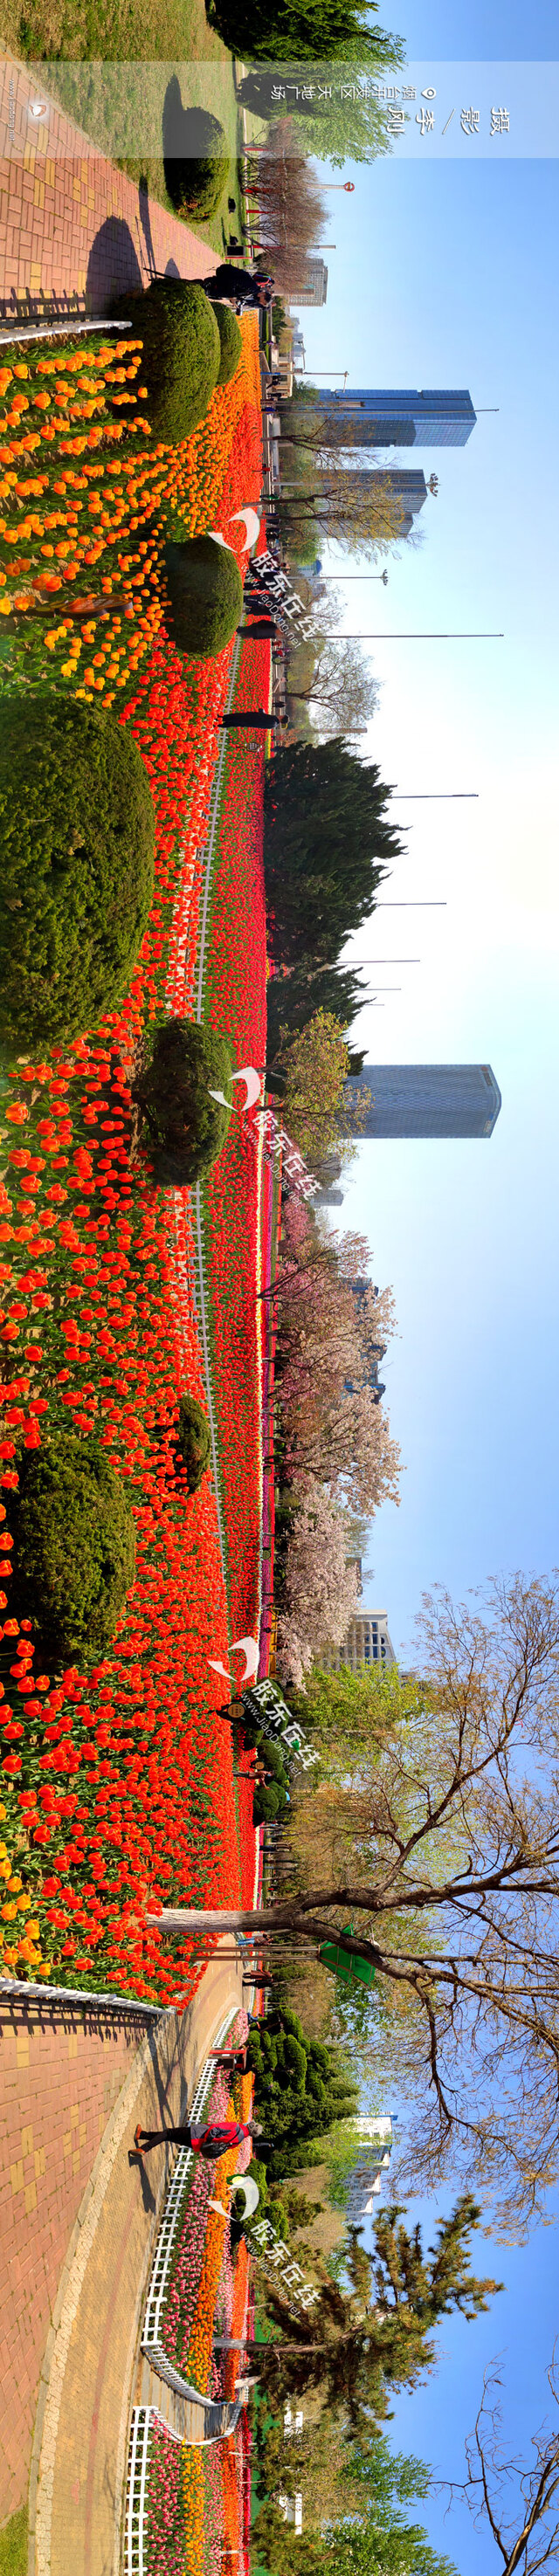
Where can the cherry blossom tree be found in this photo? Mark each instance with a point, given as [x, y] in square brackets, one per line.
[320, 1584]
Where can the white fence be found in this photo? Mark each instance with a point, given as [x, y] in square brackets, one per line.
[173, 2213]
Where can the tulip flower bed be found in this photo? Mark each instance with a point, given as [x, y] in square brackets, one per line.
[193, 2505]
[99, 1328]
[82, 488]
[202, 2276]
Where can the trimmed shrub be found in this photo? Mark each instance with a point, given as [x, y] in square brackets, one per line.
[231, 342]
[76, 865]
[266, 1805]
[205, 593]
[74, 1548]
[186, 1128]
[193, 1441]
[195, 157]
[181, 352]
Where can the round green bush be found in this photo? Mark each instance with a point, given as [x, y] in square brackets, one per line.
[76, 865]
[193, 1441]
[195, 157]
[181, 352]
[186, 1128]
[273, 1757]
[74, 1548]
[268, 1804]
[205, 595]
[231, 342]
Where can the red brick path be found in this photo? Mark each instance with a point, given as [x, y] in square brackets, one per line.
[71, 224]
[60, 2075]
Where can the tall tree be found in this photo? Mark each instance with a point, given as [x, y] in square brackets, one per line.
[351, 507]
[335, 682]
[305, 31]
[327, 845]
[370, 2484]
[315, 1065]
[372, 2332]
[452, 1869]
[518, 2500]
[295, 996]
[338, 117]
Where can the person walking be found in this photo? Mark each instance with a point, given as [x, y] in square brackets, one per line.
[234, 2059]
[254, 719]
[237, 285]
[211, 2142]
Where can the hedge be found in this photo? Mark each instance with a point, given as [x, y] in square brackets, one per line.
[185, 1128]
[205, 594]
[74, 1548]
[181, 352]
[231, 342]
[195, 157]
[76, 865]
[192, 1440]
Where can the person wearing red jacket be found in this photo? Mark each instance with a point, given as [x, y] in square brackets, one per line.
[211, 2142]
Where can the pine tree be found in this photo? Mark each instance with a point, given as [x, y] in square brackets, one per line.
[327, 845]
[373, 2332]
[301, 2088]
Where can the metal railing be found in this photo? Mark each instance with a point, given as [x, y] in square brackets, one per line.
[27, 1987]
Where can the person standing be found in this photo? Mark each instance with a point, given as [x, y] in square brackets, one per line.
[211, 2142]
[254, 719]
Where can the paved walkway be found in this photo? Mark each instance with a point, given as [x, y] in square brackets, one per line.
[61, 2071]
[73, 228]
[89, 2373]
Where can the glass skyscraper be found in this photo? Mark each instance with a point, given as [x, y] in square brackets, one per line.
[426, 1100]
[394, 419]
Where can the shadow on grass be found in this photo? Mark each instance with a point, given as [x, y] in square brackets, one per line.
[194, 155]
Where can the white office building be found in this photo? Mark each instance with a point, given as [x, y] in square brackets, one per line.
[367, 1644]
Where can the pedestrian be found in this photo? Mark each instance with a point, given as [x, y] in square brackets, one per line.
[255, 719]
[237, 285]
[234, 2059]
[261, 627]
[211, 2142]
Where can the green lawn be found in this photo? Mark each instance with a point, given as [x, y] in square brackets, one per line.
[86, 42]
[13, 2545]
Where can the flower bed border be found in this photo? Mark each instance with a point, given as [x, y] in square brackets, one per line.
[174, 2210]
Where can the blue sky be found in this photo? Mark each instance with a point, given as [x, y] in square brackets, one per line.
[459, 287]
[447, 275]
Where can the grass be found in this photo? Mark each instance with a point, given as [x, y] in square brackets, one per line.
[166, 35]
[13, 2545]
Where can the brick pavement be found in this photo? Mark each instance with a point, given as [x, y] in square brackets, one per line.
[60, 2076]
[79, 2253]
[73, 228]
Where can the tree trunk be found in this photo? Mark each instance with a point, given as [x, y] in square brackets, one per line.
[298, 1917]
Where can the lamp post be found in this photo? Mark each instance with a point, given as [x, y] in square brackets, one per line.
[405, 635]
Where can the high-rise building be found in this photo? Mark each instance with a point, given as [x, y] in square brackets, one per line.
[372, 2166]
[315, 289]
[426, 1100]
[367, 1643]
[408, 487]
[394, 419]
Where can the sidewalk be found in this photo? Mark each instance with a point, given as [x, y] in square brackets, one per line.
[61, 2071]
[72, 226]
[87, 2382]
